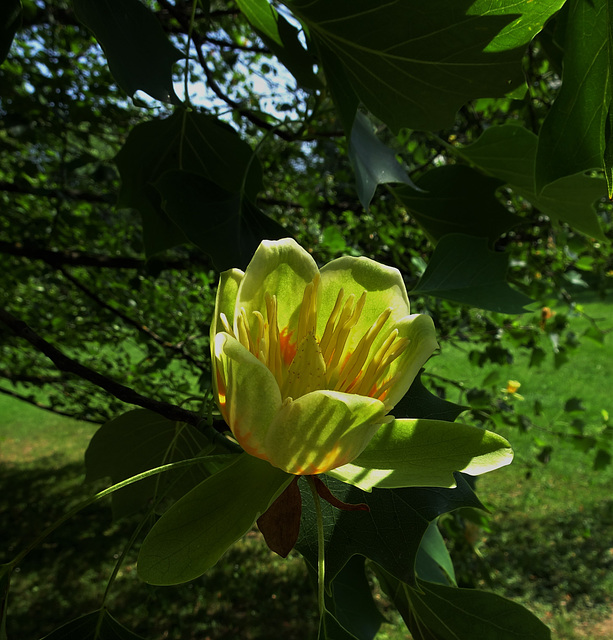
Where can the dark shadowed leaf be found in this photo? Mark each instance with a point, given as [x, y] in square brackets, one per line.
[220, 222]
[572, 138]
[98, 625]
[140, 440]
[418, 402]
[433, 562]
[331, 629]
[186, 141]
[414, 64]
[464, 270]
[508, 152]
[280, 523]
[5, 583]
[10, 18]
[458, 199]
[389, 534]
[139, 54]
[352, 601]
[373, 162]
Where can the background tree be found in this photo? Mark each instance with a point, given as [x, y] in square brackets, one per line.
[150, 146]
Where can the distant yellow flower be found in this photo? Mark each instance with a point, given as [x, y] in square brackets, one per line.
[513, 386]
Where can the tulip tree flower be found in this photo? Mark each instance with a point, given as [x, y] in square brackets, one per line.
[307, 365]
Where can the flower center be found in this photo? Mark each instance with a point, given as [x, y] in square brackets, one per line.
[302, 363]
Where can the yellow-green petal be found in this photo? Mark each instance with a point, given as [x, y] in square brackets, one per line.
[322, 430]
[282, 268]
[384, 286]
[225, 301]
[424, 453]
[248, 394]
[419, 330]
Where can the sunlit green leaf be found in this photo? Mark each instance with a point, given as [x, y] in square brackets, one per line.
[463, 269]
[424, 453]
[139, 54]
[572, 138]
[197, 530]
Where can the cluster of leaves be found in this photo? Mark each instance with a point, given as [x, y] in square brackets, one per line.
[118, 212]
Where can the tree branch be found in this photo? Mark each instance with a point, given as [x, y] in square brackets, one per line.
[119, 391]
[45, 407]
[177, 348]
[56, 258]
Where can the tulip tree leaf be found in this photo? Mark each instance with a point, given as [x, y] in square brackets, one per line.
[373, 162]
[147, 440]
[331, 629]
[139, 54]
[197, 530]
[98, 625]
[433, 561]
[418, 402]
[389, 534]
[352, 602]
[464, 270]
[572, 138]
[458, 199]
[10, 18]
[508, 152]
[424, 453]
[185, 141]
[434, 611]
[411, 70]
[220, 222]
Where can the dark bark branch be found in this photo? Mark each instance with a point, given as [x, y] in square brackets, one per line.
[40, 405]
[61, 194]
[119, 391]
[56, 258]
[177, 348]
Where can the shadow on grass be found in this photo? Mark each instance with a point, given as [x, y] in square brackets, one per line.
[250, 594]
[563, 561]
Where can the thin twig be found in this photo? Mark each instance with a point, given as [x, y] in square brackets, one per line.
[119, 391]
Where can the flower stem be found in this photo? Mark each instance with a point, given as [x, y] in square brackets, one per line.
[321, 564]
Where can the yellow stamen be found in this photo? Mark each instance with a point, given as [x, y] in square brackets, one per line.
[226, 324]
[329, 330]
[352, 367]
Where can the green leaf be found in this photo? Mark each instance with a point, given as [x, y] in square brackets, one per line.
[139, 54]
[185, 141]
[464, 270]
[263, 16]
[140, 440]
[221, 223]
[352, 601]
[389, 534]
[572, 138]
[373, 162]
[458, 199]
[10, 19]
[508, 152]
[282, 39]
[331, 629]
[98, 625]
[414, 66]
[433, 562]
[450, 613]
[424, 453]
[197, 530]
[418, 402]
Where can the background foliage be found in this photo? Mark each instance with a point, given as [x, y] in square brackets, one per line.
[148, 146]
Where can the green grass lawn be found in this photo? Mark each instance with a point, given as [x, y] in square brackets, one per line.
[547, 544]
